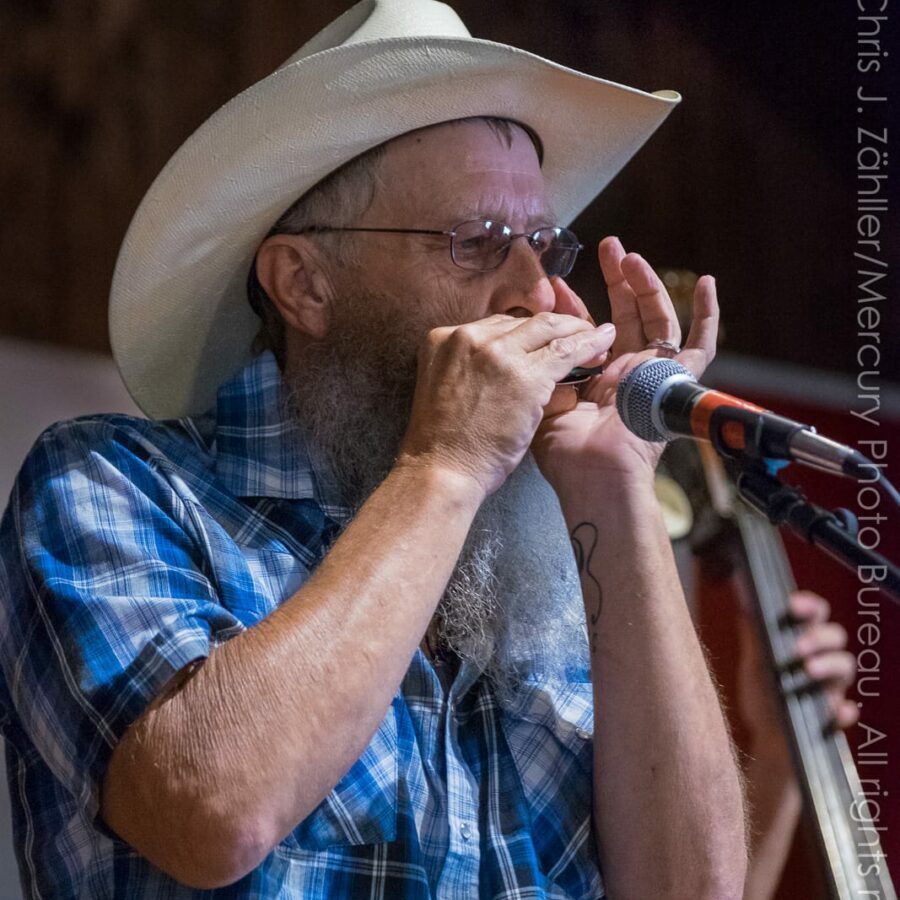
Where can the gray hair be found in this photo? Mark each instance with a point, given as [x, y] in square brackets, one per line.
[339, 200]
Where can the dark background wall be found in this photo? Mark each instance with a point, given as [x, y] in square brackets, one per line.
[752, 178]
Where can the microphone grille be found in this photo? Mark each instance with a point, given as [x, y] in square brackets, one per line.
[637, 392]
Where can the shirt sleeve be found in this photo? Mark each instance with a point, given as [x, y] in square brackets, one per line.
[104, 594]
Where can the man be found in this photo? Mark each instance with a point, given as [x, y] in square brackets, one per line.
[327, 639]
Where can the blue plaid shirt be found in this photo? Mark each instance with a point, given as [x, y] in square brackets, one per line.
[130, 549]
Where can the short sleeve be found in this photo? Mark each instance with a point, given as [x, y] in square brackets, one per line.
[104, 596]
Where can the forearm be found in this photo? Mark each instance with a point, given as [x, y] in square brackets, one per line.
[274, 717]
[667, 796]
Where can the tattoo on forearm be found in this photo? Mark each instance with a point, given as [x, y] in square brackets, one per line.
[584, 542]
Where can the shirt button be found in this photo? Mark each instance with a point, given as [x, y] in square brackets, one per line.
[584, 735]
[465, 831]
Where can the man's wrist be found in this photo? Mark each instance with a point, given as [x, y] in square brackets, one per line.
[462, 487]
[607, 501]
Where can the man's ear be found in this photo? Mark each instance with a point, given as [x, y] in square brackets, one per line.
[290, 270]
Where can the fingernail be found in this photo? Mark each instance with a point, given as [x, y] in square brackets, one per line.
[606, 328]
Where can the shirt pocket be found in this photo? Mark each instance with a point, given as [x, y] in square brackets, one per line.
[362, 807]
[549, 725]
[549, 731]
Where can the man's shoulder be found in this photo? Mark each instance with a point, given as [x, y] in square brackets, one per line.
[109, 444]
[104, 480]
[105, 430]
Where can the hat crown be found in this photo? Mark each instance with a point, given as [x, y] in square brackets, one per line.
[373, 20]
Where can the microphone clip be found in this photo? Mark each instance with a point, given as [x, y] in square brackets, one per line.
[834, 532]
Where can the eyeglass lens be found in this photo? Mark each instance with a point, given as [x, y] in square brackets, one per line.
[484, 244]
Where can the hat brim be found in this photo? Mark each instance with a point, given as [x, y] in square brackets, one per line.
[180, 324]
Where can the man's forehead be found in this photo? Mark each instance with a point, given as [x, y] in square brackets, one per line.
[509, 205]
[470, 168]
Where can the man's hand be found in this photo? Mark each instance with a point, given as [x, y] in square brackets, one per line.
[821, 650]
[772, 788]
[587, 438]
[482, 387]
[669, 783]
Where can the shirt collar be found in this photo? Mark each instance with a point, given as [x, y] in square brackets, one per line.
[259, 450]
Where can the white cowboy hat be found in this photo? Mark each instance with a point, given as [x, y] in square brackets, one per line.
[180, 324]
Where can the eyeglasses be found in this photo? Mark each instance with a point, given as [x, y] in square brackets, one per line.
[483, 244]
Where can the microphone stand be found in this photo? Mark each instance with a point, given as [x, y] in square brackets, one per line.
[834, 532]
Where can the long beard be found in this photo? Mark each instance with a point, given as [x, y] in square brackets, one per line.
[512, 605]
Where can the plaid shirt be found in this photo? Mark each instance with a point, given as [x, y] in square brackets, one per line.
[129, 549]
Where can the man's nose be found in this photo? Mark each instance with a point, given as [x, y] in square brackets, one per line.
[523, 288]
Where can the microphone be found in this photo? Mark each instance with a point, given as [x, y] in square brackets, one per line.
[659, 399]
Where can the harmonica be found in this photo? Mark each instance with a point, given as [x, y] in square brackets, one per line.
[580, 373]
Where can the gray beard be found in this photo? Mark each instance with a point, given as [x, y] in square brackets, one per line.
[512, 605]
